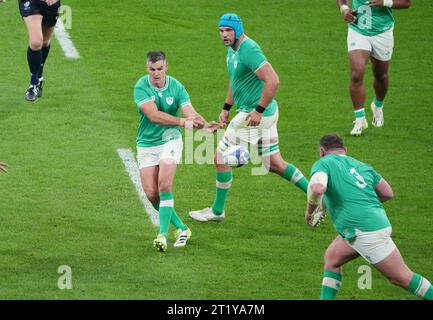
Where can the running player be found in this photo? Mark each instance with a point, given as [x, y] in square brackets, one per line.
[370, 36]
[353, 192]
[252, 87]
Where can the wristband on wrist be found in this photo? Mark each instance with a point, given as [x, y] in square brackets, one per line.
[260, 109]
[343, 8]
[387, 3]
[227, 106]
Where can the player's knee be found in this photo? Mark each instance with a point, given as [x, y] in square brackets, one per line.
[357, 76]
[36, 44]
[381, 77]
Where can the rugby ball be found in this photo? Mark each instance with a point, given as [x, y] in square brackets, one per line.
[236, 156]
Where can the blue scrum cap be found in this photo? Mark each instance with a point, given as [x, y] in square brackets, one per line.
[233, 21]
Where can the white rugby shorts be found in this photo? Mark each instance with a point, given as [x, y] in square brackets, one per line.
[373, 246]
[381, 46]
[151, 156]
[238, 132]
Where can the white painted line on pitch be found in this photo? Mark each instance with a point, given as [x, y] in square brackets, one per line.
[131, 167]
[65, 41]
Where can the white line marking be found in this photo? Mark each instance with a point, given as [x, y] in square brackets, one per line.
[65, 41]
[131, 167]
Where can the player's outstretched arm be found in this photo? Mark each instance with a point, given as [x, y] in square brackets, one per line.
[190, 113]
[3, 167]
[384, 190]
[395, 4]
[151, 111]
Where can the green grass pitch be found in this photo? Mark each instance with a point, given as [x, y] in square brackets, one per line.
[67, 199]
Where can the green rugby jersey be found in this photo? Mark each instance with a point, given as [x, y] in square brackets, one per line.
[168, 99]
[350, 196]
[247, 87]
[371, 20]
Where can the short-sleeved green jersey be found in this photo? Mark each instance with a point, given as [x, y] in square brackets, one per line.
[350, 197]
[371, 21]
[168, 99]
[247, 87]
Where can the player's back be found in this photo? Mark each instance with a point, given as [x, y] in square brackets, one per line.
[351, 197]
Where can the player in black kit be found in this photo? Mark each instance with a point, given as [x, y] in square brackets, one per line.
[40, 17]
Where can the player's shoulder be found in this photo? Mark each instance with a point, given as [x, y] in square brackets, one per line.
[175, 84]
[143, 82]
[249, 45]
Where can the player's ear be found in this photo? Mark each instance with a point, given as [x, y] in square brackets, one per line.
[322, 152]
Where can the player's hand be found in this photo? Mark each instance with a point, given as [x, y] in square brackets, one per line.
[212, 126]
[375, 3]
[349, 15]
[3, 167]
[51, 2]
[224, 118]
[198, 122]
[254, 119]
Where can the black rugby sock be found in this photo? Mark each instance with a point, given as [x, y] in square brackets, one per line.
[45, 52]
[34, 59]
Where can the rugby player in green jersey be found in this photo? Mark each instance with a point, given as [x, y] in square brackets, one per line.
[370, 36]
[159, 97]
[353, 193]
[252, 87]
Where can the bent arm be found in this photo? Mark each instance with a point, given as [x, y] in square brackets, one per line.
[384, 190]
[162, 118]
[316, 188]
[272, 82]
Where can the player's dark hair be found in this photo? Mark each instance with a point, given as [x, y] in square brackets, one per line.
[331, 141]
[155, 56]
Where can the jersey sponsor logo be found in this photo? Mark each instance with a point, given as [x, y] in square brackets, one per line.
[27, 5]
[169, 100]
[160, 94]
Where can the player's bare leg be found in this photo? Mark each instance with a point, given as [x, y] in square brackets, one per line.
[398, 273]
[358, 60]
[337, 254]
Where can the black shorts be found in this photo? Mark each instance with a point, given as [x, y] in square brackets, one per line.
[38, 7]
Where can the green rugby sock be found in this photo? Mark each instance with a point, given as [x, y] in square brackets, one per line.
[421, 287]
[165, 212]
[295, 176]
[177, 221]
[330, 285]
[223, 183]
[360, 113]
[377, 103]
